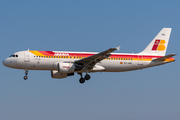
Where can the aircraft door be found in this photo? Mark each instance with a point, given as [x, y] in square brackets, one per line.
[140, 60]
[26, 56]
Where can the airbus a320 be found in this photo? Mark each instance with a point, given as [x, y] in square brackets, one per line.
[63, 64]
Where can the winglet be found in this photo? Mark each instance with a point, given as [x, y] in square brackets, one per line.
[118, 48]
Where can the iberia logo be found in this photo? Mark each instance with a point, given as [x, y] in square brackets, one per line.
[159, 45]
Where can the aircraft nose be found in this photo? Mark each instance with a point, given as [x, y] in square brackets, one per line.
[5, 62]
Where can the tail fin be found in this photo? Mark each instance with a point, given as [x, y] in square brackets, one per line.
[158, 45]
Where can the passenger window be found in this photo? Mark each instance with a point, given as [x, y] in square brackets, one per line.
[16, 55]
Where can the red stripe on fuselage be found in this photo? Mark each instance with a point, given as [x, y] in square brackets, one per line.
[51, 53]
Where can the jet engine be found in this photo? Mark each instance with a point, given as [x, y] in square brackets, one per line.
[56, 74]
[63, 67]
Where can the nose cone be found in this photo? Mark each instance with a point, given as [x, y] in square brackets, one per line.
[5, 62]
[9, 62]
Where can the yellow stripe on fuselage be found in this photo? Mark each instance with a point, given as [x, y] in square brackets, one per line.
[132, 59]
[36, 53]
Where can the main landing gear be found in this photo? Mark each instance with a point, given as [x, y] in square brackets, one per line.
[26, 73]
[86, 77]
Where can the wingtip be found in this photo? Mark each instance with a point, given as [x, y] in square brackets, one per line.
[118, 48]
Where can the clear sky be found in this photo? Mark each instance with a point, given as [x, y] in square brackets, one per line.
[94, 25]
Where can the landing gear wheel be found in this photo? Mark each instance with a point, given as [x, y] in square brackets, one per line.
[87, 77]
[25, 77]
[81, 80]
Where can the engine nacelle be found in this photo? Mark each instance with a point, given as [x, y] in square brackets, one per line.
[64, 67]
[56, 74]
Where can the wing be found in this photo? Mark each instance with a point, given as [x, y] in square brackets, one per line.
[163, 58]
[89, 62]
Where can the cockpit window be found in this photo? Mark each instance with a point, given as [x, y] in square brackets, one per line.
[13, 56]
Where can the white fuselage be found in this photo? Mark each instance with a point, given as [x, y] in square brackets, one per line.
[29, 61]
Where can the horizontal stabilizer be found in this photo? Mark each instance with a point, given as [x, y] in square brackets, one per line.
[164, 58]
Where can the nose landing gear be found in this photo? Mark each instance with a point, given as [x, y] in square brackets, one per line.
[26, 73]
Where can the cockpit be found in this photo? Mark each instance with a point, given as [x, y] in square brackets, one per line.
[12, 60]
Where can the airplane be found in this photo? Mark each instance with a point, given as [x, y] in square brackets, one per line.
[63, 64]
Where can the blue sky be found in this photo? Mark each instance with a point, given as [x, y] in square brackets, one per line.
[95, 26]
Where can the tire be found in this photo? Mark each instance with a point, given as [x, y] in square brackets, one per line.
[81, 80]
[87, 77]
[25, 77]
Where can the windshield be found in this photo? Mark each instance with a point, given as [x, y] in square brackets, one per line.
[13, 56]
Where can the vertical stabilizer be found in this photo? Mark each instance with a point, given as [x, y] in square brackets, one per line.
[158, 45]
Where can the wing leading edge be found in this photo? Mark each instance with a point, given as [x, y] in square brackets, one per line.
[89, 62]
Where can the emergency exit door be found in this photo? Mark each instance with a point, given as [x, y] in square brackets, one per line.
[26, 56]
